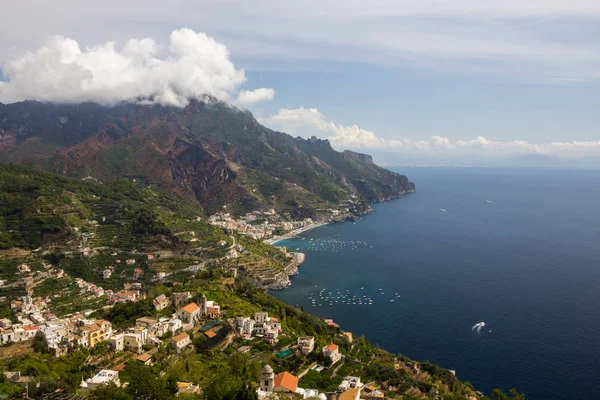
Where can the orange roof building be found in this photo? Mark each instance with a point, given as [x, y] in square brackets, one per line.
[352, 394]
[285, 382]
[191, 308]
[332, 347]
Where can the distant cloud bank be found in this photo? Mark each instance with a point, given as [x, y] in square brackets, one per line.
[194, 65]
[311, 122]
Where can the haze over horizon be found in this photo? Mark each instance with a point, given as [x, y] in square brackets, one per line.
[418, 82]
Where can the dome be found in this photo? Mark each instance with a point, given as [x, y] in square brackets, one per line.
[267, 369]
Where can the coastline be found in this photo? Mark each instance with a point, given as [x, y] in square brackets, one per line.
[294, 233]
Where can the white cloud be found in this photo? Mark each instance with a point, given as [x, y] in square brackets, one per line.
[308, 122]
[195, 65]
[247, 98]
[553, 37]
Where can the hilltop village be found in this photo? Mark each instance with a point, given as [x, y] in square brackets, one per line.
[216, 313]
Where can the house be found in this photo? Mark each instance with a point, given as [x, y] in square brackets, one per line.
[285, 383]
[245, 325]
[133, 341]
[187, 387]
[306, 344]
[161, 275]
[106, 327]
[106, 273]
[179, 342]
[101, 378]
[94, 333]
[189, 314]
[261, 317]
[161, 302]
[145, 358]
[244, 349]
[31, 331]
[348, 336]
[213, 311]
[332, 351]
[210, 334]
[331, 323]
[137, 273]
[180, 298]
[350, 382]
[130, 261]
[117, 342]
[146, 322]
[5, 323]
[352, 394]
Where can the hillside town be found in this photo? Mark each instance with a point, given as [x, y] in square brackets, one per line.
[62, 335]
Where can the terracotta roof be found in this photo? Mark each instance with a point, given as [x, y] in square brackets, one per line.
[351, 394]
[286, 380]
[192, 307]
[179, 337]
[31, 328]
[210, 334]
[120, 367]
[332, 347]
[143, 357]
[274, 319]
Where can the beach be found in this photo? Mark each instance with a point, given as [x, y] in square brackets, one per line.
[294, 233]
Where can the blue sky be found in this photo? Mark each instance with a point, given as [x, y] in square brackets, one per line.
[436, 80]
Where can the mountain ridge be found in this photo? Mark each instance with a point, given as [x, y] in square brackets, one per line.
[209, 152]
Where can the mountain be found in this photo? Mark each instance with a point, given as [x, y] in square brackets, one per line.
[209, 152]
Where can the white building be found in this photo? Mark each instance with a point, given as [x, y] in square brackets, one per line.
[332, 351]
[117, 342]
[306, 344]
[101, 378]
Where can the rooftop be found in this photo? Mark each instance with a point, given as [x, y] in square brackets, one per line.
[179, 337]
[190, 308]
[286, 380]
[332, 347]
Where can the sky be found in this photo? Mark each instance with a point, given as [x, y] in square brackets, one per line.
[410, 81]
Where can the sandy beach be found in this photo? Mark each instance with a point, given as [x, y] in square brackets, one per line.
[294, 233]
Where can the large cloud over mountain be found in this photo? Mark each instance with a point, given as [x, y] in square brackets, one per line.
[194, 65]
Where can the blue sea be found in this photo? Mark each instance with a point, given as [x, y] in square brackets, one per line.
[517, 249]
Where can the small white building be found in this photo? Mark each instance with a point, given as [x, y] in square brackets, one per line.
[332, 351]
[117, 342]
[102, 378]
[306, 344]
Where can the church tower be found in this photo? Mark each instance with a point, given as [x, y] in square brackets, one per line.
[203, 304]
[267, 379]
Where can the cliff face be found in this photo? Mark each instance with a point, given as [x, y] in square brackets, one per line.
[209, 152]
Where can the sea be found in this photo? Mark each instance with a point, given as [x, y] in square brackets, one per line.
[492, 273]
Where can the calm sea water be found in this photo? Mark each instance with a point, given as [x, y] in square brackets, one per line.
[516, 249]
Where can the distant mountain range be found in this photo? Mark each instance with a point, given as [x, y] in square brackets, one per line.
[209, 152]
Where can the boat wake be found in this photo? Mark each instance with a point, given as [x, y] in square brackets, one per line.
[478, 327]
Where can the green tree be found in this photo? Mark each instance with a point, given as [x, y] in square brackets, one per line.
[144, 384]
[498, 394]
[110, 392]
